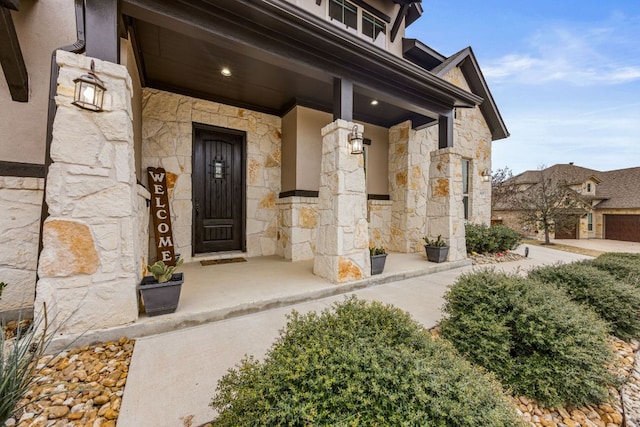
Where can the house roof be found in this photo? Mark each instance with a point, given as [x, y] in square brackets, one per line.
[621, 187]
[439, 65]
[617, 189]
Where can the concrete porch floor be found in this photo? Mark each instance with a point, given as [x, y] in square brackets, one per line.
[217, 292]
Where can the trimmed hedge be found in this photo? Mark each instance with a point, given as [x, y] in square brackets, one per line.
[617, 302]
[363, 364]
[481, 238]
[623, 266]
[512, 326]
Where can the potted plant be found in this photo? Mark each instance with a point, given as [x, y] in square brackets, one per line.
[437, 249]
[378, 258]
[161, 291]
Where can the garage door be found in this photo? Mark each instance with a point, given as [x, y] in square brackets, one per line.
[571, 233]
[622, 227]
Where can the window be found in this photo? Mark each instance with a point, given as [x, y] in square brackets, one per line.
[588, 187]
[373, 27]
[345, 12]
[465, 187]
[589, 220]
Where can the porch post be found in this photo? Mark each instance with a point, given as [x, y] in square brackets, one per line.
[445, 214]
[342, 249]
[90, 262]
[407, 181]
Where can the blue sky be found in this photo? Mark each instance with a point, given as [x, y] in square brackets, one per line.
[565, 75]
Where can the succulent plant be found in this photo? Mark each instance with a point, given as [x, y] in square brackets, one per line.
[163, 272]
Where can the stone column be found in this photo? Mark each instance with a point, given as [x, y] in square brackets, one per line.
[407, 182]
[445, 214]
[342, 249]
[88, 264]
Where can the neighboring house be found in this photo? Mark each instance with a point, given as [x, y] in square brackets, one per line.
[249, 106]
[612, 199]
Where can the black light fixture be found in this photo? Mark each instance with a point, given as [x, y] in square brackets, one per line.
[486, 175]
[89, 91]
[356, 141]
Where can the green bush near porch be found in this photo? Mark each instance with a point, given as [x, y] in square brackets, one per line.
[512, 326]
[364, 364]
[615, 301]
[481, 238]
[623, 266]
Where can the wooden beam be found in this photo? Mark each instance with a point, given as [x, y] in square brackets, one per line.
[399, 18]
[10, 4]
[102, 19]
[15, 71]
[445, 130]
[342, 99]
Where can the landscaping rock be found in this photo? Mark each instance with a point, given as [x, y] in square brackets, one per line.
[79, 387]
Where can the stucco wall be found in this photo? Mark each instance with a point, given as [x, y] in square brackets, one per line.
[167, 141]
[21, 201]
[41, 26]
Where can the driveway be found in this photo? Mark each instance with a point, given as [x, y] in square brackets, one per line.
[602, 245]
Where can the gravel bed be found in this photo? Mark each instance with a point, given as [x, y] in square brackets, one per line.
[79, 387]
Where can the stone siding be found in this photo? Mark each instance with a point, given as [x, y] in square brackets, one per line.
[297, 227]
[167, 141]
[88, 265]
[21, 201]
[380, 213]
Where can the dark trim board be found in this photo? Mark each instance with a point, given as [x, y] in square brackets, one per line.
[378, 197]
[298, 193]
[22, 170]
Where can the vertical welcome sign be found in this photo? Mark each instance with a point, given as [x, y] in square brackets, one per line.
[161, 215]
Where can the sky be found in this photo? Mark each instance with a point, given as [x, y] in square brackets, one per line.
[565, 75]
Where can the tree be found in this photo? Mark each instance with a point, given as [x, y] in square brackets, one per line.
[549, 204]
[502, 187]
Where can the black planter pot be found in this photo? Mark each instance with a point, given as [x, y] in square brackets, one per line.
[377, 263]
[437, 253]
[161, 298]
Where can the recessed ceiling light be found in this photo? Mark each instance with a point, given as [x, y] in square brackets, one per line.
[374, 102]
[225, 72]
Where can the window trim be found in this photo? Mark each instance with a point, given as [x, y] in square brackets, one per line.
[466, 199]
[590, 221]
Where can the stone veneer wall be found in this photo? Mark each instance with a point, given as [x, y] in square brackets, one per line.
[410, 175]
[380, 213]
[20, 206]
[88, 265]
[297, 227]
[167, 141]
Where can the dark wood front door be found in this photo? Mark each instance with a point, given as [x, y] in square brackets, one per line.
[218, 190]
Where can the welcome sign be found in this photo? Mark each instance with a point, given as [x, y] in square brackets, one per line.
[161, 215]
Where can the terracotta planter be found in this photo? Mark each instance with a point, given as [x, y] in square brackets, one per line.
[161, 298]
[437, 253]
[377, 263]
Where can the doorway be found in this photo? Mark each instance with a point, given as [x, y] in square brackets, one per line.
[219, 213]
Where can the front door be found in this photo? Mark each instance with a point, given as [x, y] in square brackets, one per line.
[218, 189]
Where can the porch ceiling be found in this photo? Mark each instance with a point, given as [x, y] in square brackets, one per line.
[178, 63]
[279, 56]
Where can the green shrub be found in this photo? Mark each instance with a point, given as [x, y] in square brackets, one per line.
[615, 301]
[623, 266]
[481, 238]
[363, 364]
[538, 342]
[18, 357]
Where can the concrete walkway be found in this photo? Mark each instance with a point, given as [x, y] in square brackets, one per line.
[173, 375]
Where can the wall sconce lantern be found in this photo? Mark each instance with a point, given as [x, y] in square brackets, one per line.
[356, 141]
[486, 175]
[89, 91]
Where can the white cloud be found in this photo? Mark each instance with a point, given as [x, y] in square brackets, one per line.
[603, 54]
